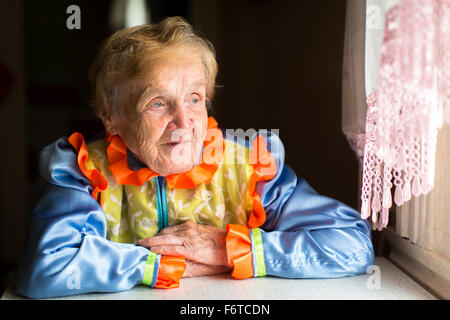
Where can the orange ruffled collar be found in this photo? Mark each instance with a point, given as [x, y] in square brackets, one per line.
[203, 172]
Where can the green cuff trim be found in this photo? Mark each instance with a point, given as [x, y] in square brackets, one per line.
[259, 253]
[149, 266]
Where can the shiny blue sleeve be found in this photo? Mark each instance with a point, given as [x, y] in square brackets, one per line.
[67, 252]
[308, 235]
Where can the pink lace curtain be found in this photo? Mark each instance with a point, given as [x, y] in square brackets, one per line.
[410, 104]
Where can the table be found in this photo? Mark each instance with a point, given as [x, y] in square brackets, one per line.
[384, 281]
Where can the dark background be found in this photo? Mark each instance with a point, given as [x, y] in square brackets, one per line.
[280, 67]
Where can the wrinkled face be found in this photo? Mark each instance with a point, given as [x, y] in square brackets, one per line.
[165, 123]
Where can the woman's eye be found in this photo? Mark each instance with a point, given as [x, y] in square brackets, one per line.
[158, 104]
[195, 100]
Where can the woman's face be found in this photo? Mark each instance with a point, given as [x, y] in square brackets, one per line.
[165, 124]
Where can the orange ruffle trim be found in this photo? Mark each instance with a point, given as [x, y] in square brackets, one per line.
[202, 173]
[239, 251]
[264, 168]
[98, 181]
[238, 241]
[171, 269]
[118, 163]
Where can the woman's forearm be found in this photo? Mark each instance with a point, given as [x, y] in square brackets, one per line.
[68, 252]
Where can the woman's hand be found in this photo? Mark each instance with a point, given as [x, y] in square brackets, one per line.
[195, 269]
[200, 243]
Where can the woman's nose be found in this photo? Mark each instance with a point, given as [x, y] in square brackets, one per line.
[180, 117]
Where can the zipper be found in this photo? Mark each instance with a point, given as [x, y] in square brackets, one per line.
[161, 202]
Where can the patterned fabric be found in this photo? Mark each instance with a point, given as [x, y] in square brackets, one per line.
[132, 211]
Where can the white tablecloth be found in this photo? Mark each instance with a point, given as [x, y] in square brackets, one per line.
[393, 284]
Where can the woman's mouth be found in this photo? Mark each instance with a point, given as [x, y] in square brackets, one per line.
[178, 143]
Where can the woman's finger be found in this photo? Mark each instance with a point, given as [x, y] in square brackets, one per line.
[162, 240]
[177, 251]
[179, 228]
[195, 269]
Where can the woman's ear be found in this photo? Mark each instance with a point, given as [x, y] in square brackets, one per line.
[208, 104]
[110, 124]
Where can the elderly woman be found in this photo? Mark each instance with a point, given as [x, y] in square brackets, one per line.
[164, 194]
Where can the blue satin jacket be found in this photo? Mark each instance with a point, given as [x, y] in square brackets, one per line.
[305, 235]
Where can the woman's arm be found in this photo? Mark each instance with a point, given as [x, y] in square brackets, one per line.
[67, 251]
[305, 235]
